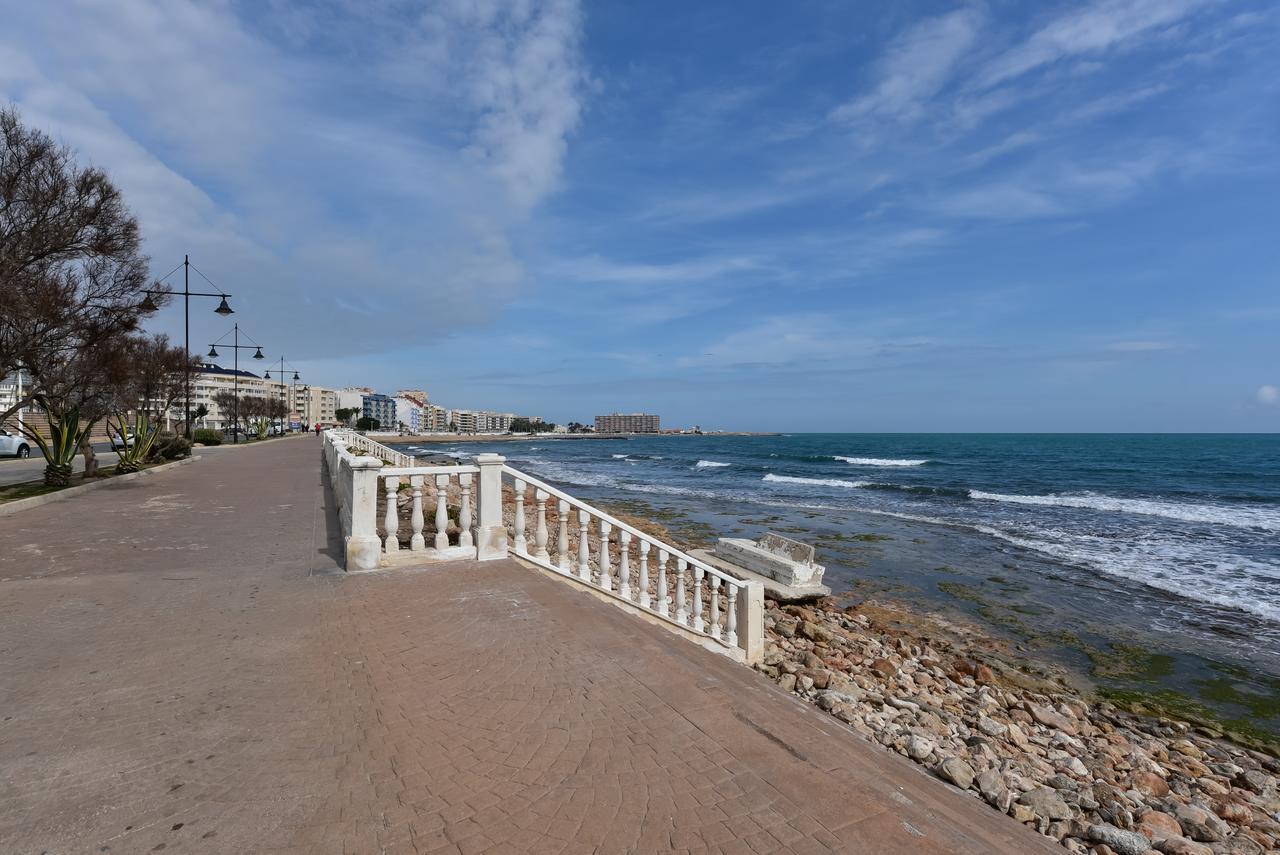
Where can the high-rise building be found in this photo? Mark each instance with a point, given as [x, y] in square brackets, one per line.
[627, 423]
[381, 408]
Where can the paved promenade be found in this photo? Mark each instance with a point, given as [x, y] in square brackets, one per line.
[184, 668]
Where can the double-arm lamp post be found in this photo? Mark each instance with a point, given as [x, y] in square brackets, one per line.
[236, 347]
[267, 376]
[149, 305]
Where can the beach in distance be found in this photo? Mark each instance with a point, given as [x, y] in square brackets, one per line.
[1149, 565]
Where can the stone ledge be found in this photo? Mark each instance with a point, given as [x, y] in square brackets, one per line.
[773, 589]
[18, 505]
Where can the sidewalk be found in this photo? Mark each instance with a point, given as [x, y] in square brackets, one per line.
[202, 677]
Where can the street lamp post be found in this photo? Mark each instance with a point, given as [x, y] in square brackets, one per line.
[148, 305]
[267, 376]
[236, 346]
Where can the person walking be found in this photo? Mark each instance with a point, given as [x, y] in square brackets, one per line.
[317, 430]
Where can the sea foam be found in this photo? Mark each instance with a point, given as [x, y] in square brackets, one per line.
[814, 482]
[880, 461]
[1235, 516]
[710, 464]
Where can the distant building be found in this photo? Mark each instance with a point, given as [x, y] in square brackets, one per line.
[627, 423]
[381, 408]
[411, 410]
[311, 404]
[352, 397]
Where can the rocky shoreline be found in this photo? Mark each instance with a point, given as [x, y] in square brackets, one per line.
[1088, 774]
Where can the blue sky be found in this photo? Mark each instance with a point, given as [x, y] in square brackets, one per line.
[823, 216]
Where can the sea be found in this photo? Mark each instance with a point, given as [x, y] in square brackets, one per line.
[1146, 563]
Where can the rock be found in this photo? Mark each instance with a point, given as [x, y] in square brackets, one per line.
[919, 748]
[884, 668]
[983, 675]
[787, 682]
[815, 632]
[956, 771]
[1234, 812]
[811, 660]
[1016, 736]
[1052, 718]
[1022, 813]
[1256, 781]
[1195, 823]
[991, 785]
[1046, 802]
[1240, 845]
[804, 682]
[1149, 783]
[1123, 842]
[991, 727]
[1182, 846]
[821, 678]
[787, 628]
[1158, 826]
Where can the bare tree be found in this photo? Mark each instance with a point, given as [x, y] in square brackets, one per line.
[149, 384]
[72, 273]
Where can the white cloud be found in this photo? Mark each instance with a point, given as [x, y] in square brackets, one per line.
[1097, 27]
[1269, 395]
[915, 68]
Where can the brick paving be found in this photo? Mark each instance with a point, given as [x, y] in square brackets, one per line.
[201, 677]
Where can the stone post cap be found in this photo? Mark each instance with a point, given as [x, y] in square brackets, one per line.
[483, 459]
[365, 462]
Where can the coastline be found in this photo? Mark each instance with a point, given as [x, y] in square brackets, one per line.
[447, 438]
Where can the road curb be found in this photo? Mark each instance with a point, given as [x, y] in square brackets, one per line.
[10, 508]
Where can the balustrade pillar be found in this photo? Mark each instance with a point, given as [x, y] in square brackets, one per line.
[464, 511]
[715, 606]
[540, 533]
[698, 623]
[584, 549]
[442, 512]
[391, 517]
[606, 572]
[643, 581]
[731, 616]
[519, 542]
[363, 547]
[624, 564]
[663, 606]
[681, 616]
[416, 542]
[562, 537]
[491, 532]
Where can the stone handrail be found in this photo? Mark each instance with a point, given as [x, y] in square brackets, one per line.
[472, 520]
[372, 447]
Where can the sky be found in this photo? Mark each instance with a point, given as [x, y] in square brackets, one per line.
[907, 216]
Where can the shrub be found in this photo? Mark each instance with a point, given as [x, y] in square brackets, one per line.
[170, 447]
[207, 436]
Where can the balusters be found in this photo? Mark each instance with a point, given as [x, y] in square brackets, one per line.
[540, 533]
[643, 582]
[442, 512]
[698, 624]
[662, 582]
[464, 514]
[606, 572]
[562, 538]
[681, 615]
[417, 542]
[715, 607]
[624, 566]
[731, 617]
[519, 542]
[584, 551]
[391, 519]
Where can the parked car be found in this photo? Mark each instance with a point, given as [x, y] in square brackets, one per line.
[13, 444]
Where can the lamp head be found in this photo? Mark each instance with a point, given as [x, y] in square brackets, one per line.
[266, 375]
[257, 354]
[223, 309]
[295, 376]
[213, 352]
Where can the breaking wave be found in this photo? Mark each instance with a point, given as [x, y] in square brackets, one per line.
[710, 464]
[1267, 519]
[814, 482]
[880, 461]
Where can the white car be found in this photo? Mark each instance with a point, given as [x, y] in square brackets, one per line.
[13, 444]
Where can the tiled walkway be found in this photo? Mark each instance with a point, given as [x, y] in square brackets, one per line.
[183, 668]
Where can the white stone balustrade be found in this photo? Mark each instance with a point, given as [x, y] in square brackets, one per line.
[636, 569]
[632, 568]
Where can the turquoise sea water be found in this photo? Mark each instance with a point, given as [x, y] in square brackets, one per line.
[1161, 542]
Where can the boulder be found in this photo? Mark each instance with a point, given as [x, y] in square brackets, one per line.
[1046, 802]
[1182, 846]
[1157, 825]
[956, 771]
[1149, 783]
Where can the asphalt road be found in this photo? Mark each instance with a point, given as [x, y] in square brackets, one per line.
[14, 471]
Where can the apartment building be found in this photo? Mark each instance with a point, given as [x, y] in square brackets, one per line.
[628, 423]
[311, 404]
[381, 408]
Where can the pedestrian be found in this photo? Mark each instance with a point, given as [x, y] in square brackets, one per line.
[317, 430]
